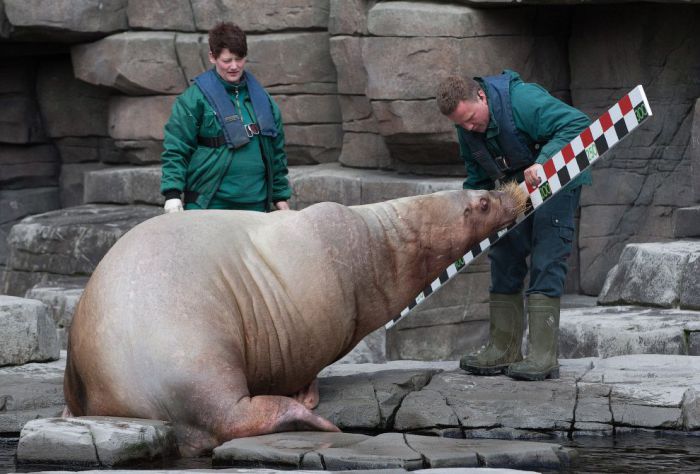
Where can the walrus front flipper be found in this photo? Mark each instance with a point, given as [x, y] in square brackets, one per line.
[308, 396]
[265, 414]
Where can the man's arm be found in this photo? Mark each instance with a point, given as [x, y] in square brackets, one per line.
[179, 143]
[546, 119]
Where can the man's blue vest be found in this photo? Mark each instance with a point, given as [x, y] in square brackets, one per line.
[232, 124]
[517, 153]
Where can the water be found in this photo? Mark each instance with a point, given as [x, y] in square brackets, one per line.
[634, 453]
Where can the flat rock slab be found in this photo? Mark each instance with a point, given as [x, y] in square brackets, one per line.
[28, 332]
[95, 441]
[459, 470]
[341, 451]
[30, 391]
[661, 274]
[609, 331]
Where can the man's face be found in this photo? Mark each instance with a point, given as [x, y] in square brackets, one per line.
[228, 65]
[472, 115]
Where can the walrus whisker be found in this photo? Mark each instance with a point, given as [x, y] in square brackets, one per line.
[516, 194]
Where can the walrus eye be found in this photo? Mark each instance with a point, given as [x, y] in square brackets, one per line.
[484, 204]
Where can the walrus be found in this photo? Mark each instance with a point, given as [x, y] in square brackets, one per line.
[219, 321]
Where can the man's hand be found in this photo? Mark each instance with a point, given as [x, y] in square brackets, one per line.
[173, 205]
[531, 177]
[282, 205]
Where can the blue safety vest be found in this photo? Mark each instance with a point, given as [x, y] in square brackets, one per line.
[231, 123]
[517, 153]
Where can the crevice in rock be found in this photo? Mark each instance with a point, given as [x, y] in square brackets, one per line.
[459, 421]
[612, 415]
[426, 463]
[570, 433]
[94, 444]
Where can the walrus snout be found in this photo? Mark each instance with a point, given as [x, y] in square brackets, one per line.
[513, 199]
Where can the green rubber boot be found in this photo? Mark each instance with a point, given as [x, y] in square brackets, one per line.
[505, 337]
[543, 340]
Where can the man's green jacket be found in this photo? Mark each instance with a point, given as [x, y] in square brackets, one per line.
[540, 117]
[216, 175]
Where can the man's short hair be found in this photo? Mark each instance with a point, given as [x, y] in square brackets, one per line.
[454, 89]
[227, 35]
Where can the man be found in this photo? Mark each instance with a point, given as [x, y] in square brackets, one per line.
[224, 143]
[506, 129]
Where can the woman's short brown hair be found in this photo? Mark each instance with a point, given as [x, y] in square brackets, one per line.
[454, 89]
[226, 35]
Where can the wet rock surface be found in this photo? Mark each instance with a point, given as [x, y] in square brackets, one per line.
[340, 451]
[94, 441]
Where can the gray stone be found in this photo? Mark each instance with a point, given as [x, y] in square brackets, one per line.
[371, 349]
[137, 152]
[132, 185]
[18, 282]
[268, 15]
[645, 392]
[65, 20]
[348, 17]
[428, 19]
[622, 330]
[661, 151]
[28, 166]
[396, 66]
[72, 182]
[348, 186]
[139, 118]
[690, 284]
[17, 76]
[346, 52]
[309, 109]
[29, 333]
[61, 298]
[451, 453]
[95, 441]
[693, 152]
[686, 222]
[16, 204]
[650, 274]
[268, 59]
[281, 449]
[30, 391]
[364, 150]
[385, 451]
[485, 403]
[126, 63]
[20, 122]
[86, 149]
[367, 401]
[357, 114]
[307, 144]
[71, 241]
[457, 316]
[161, 15]
[70, 108]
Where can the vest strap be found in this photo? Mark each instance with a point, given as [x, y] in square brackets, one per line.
[235, 132]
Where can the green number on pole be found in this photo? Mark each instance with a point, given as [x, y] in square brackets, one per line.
[545, 191]
[641, 112]
[459, 264]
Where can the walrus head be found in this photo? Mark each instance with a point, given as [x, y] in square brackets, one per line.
[513, 198]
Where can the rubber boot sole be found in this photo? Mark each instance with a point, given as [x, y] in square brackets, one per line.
[534, 376]
[477, 370]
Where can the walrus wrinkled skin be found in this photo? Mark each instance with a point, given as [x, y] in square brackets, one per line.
[215, 320]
